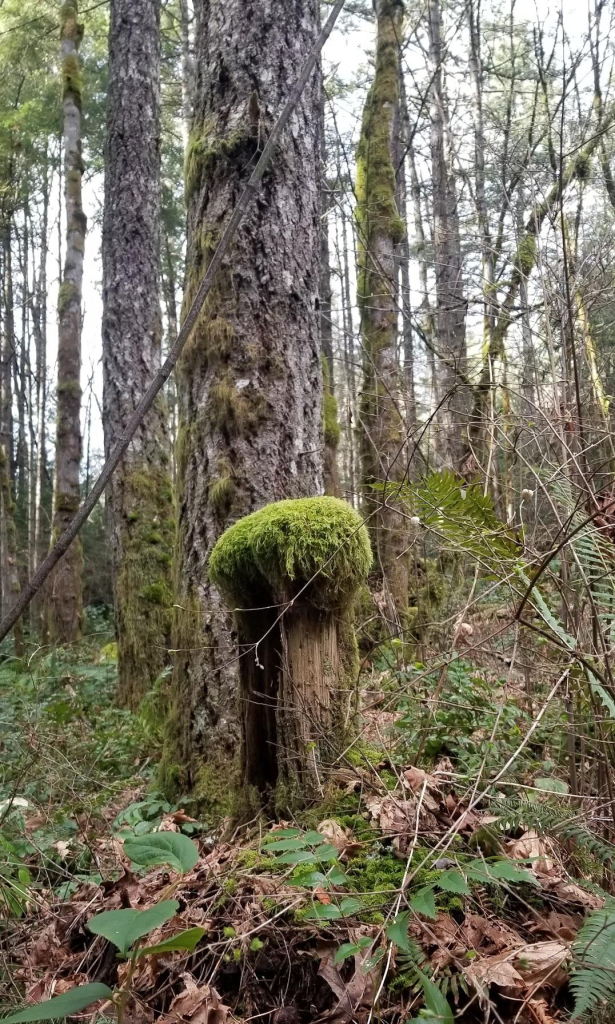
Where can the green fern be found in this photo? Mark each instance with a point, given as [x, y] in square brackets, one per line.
[553, 820]
[593, 978]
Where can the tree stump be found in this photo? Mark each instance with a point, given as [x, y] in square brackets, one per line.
[290, 572]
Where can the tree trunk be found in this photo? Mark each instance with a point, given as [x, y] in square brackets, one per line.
[299, 672]
[249, 379]
[65, 590]
[381, 229]
[39, 326]
[140, 495]
[185, 21]
[10, 585]
[450, 301]
[331, 418]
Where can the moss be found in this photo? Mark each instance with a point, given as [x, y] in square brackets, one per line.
[158, 593]
[143, 582]
[66, 294]
[526, 254]
[208, 148]
[69, 387]
[293, 540]
[222, 494]
[331, 422]
[71, 77]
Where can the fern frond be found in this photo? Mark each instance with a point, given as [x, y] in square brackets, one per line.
[549, 819]
[593, 980]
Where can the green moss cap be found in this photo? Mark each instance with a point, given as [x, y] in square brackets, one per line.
[289, 542]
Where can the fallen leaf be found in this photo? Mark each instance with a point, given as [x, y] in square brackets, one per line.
[532, 847]
[494, 970]
[199, 1004]
[540, 963]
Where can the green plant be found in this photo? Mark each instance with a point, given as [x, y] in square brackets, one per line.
[15, 880]
[126, 929]
[593, 976]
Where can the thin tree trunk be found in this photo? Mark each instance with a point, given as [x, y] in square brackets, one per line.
[185, 22]
[404, 260]
[10, 569]
[140, 495]
[39, 324]
[331, 420]
[249, 379]
[380, 230]
[65, 590]
[450, 299]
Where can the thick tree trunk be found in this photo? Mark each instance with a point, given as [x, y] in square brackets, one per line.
[65, 589]
[450, 300]
[249, 381]
[140, 494]
[380, 230]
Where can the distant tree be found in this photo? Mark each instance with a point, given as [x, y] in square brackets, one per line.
[140, 496]
[65, 591]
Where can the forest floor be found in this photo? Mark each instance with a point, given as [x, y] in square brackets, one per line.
[431, 883]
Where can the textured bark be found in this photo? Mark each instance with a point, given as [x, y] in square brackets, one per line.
[381, 230]
[140, 495]
[450, 299]
[65, 589]
[404, 260]
[185, 21]
[249, 381]
[331, 418]
[10, 585]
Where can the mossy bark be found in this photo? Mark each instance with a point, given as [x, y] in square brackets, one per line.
[249, 381]
[140, 494]
[380, 231]
[64, 588]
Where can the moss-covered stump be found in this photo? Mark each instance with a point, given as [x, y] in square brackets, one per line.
[291, 571]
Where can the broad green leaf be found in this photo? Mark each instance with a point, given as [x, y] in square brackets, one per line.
[352, 948]
[170, 848]
[309, 879]
[499, 871]
[453, 881]
[326, 852]
[323, 912]
[424, 903]
[183, 940]
[373, 961]
[282, 833]
[313, 838]
[336, 876]
[435, 1001]
[73, 1001]
[298, 857]
[552, 785]
[351, 905]
[124, 927]
[397, 931]
[287, 844]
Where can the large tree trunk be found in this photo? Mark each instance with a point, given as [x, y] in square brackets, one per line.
[140, 495]
[65, 589]
[381, 230]
[331, 417]
[249, 381]
[451, 390]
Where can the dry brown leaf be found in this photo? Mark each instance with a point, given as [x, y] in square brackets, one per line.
[199, 1004]
[481, 934]
[341, 838]
[494, 970]
[398, 818]
[565, 926]
[350, 995]
[532, 847]
[569, 892]
[540, 963]
[540, 1011]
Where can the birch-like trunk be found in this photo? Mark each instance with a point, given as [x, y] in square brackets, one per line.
[140, 495]
[249, 380]
[65, 587]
